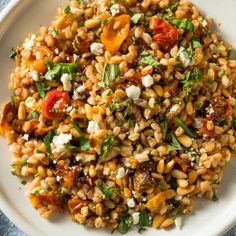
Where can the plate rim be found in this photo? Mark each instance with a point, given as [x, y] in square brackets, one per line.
[6, 17]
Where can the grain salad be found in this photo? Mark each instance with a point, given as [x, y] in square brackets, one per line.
[122, 113]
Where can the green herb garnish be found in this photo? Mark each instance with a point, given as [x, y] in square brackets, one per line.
[12, 54]
[222, 72]
[48, 139]
[105, 147]
[174, 213]
[69, 146]
[107, 191]
[40, 89]
[67, 9]
[13, 104]
[175, 145]
[147, 59]
[196, 43]
[33, 115]
[172, 9]
[110, 73]
[184, 23]
[125, 224]
[143, 221]
[181, 124]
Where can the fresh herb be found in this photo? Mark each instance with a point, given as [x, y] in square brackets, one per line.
[135, 18]
[63, 191]
[75, 58]
[184, 23]
[172, 9]
[164, 127]
[210, 81]
[106, 216]
[98, 183]
[222, 72]
[38, 151]
[23, 163]
[54, 110]
[35, 193]
[143, 221]
[57, 69]
[48, 139]
[104, 21]
[83, 142]
[69, 146]
[107, 191]
[191, 78]
[33, 115]
[36, 175]
[175, 145]
[12, 54]
[196, 43]
[105, 147]
[174, 213]
[54, 32]
[13, 172]
[181, 124]
[229, 51]
[110, 73]
[125, 224]
[130, 122]
[214, 197]
[13, 104]
[188, 51]
[147, 59]
[67, 9]
[40, 89]
[23, 182]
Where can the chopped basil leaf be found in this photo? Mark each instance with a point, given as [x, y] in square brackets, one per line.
[33, 115]
[191, 78]
[143, 221]
[48, 139]
[147, 59]
[107, 191]
[196, 43]
[57, 69]
[67, 9]
[13, 104]
[41, 89]
[54, 32]
[84, 142]
[23, 163]
[125, 224]
[222, 72]
[36, 175]
[181, 124]
[54, 110]
[135, 18]
[182, 23]
[110, 73]
[105, 147]
[175, 145]
[12, 54]
[23, 182]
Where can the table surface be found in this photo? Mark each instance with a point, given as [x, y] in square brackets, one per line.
[7, 228]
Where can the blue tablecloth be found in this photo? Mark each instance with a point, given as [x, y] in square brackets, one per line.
[7, 228]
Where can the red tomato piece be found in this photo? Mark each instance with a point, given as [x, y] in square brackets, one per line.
[166, 34]
[54, 103]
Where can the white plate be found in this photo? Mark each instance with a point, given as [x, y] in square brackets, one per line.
[24, 16]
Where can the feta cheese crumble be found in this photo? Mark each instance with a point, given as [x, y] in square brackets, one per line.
[34, 75]
[178, 222]
[120, 173]
[115, 9]
[135, 217]
[25, 137]
[97, 48]
[81, 88]
[184, 58]
[133, 92]
[147, 81]
[60, 140]
[141, 157]
[93, 127]
[131, 203]
[29, 42]
[65, 79]
[30, 102]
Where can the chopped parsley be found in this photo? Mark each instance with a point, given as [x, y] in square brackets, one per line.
[67, 9]
[40, 89]
[23, 163]
[135, 18]
[69, 146]
[125, 224]
[83, 141]
[105, 147]
[23, 182]
[172, 9]
[175, 145]
[164, 127]
[147, 59]
[48, 139]
[222, 72]
[181, 124]
[143, 221]
[108, 191]
[57, 69]
[33, 115]
[174, 213]
[110, 73]
[104, 21]
[196, 43]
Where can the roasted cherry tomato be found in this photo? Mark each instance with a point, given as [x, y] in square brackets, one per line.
[165, 33]
[54, 103]
[222, 110]
[113, 36]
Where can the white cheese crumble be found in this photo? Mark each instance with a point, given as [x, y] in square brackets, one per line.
[115, 9]
[29, 42]
[34, 75]
[178, 197]
[141, 157]
[30, 102]
[120, 173]
[175, 108]
[131, 203]
[85, 157]
[60, 140]
[25, 137]
[178, 222]
[65, 79]
[147, 81]
[97, 48]
[210, 110]
[133, 92]
[81, 88]
[58, 178]
[197, 123]
[204, 23]
[93, 127]
[135, 217]
[184, 58]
